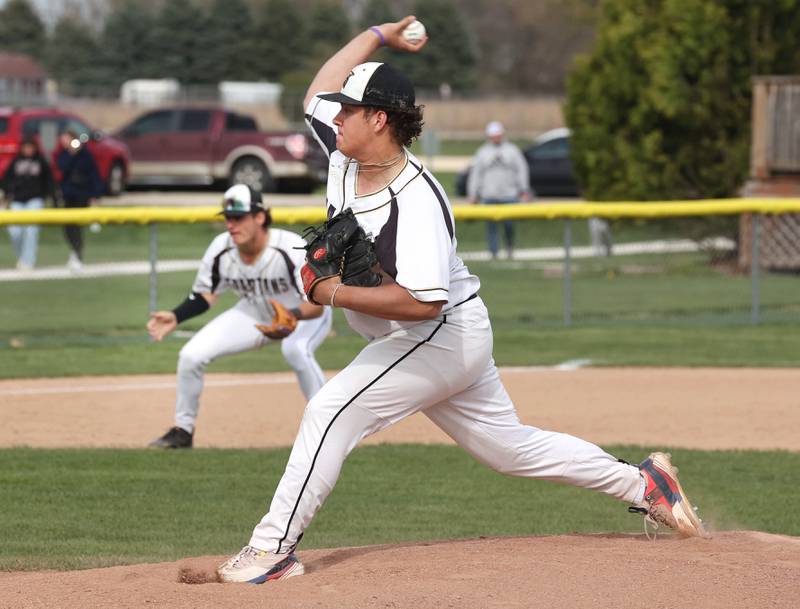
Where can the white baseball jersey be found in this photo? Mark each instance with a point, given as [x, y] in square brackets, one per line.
[442, 367]
[411, 221]
[275, 275]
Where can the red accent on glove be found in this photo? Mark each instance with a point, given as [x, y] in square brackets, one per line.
[308, 276]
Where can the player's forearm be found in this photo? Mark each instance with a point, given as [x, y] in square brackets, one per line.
[335, 70]
[306, 310]
[194, 305]
[386, 301]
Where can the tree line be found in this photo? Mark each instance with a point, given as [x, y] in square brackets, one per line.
[658, 99]
[484, 46]
[277, 41]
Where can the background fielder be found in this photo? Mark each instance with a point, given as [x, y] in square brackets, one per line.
[260, 264]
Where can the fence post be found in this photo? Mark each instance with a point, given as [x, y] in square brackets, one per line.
[567, 272]
[153, 260]
[755, 279]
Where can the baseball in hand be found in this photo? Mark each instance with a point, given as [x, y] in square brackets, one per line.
[414, 32]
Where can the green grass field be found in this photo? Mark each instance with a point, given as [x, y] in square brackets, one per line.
[68, 509]
[632, 310]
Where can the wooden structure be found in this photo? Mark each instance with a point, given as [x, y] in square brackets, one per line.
[774, 171]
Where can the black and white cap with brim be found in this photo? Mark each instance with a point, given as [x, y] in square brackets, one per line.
[240, 200]
[377, 85]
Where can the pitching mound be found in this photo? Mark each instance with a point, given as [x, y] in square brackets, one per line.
[735, 569]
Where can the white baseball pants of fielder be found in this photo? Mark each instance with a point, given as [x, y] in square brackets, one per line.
[443, 368]
[234, 332]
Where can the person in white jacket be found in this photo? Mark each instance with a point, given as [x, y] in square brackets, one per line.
[498, 174]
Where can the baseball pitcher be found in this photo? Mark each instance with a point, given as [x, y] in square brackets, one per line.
[429, 346]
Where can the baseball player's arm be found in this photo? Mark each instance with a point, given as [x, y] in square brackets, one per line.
[306, 310]
[333, 72]
[161, 323]
[387, 301]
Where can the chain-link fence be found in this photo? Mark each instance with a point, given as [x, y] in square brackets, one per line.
[643, 270]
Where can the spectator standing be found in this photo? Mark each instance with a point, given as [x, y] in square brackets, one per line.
[27, 182]
[80, 185]
[499, 174]
[600, 235]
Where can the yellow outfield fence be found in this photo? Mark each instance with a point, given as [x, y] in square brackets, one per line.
[519, 211]
[769, 238]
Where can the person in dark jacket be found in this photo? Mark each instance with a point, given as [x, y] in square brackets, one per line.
[27, 182]
[81, 186]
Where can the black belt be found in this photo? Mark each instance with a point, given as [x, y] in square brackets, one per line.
[467, 299]
[458, 304]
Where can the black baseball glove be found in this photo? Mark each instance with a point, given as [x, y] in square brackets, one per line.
[339, 247]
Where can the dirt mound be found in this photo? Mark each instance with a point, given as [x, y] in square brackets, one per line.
[735, 569]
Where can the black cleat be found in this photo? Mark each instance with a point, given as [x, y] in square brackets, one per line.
[176, 437]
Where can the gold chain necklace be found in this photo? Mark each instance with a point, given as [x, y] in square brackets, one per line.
[383, 165]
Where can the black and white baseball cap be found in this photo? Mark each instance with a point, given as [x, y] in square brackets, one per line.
[375, 84]
[240, 200]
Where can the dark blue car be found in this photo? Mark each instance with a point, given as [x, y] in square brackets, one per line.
[549, 163]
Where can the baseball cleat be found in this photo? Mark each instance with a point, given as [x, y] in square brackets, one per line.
[176, 437]
[665, 501]
[254, 566]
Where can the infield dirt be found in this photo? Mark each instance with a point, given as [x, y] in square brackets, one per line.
[690, 408]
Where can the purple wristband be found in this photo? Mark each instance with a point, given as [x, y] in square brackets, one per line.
[377, 32]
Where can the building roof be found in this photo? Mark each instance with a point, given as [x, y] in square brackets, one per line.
[17, 65]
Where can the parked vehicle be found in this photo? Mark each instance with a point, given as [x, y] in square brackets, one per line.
[549, 164]
[203, 145]
[111, 155]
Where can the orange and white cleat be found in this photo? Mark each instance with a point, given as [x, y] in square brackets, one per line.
[254, 566]
[665, 501]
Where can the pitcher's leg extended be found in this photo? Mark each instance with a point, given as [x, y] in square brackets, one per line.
[483, 421]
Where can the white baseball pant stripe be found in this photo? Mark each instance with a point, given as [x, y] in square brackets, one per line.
[445, 369]
[234, 331]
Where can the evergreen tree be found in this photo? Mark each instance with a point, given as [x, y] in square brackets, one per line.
[377, 12]
[71, 57]
[21, 30]
[661, 108]
[127, 45]
[228, 50]
[283, 41]
[330, 28]
[178, 40]
[449, 57]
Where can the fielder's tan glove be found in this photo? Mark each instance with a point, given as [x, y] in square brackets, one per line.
[283, 322]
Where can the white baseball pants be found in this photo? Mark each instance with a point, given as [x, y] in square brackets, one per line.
[234, 332]
[443, 368]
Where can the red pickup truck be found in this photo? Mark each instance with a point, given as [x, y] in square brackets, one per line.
[204, 145]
